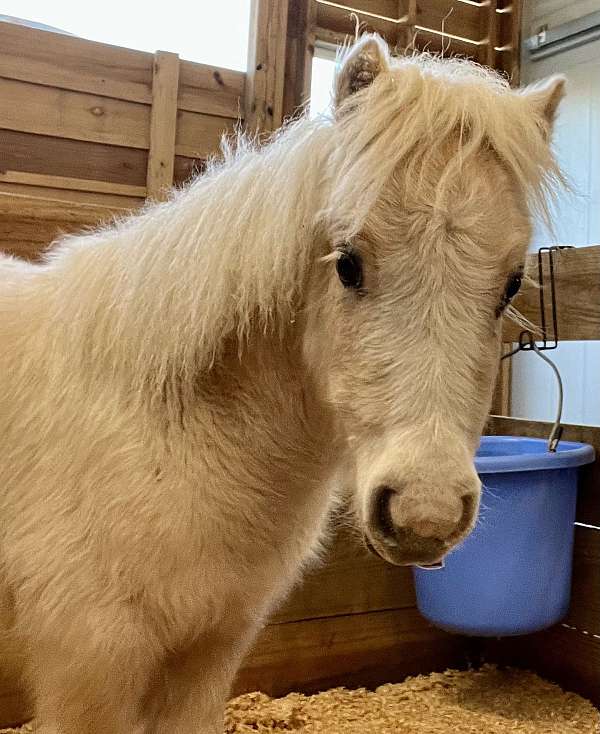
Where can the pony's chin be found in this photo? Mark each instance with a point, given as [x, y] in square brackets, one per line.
[397, 557]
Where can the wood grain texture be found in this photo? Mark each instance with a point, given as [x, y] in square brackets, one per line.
[77, 57]
[263, 102]
[163, 125]
[349, 580]
[211, 90]
[588, 501]
[45, 195]
[502, 390]
[30, 238]
[300, 49]
[26, 202]
[47, 70]
[513, 58]
[72, 158]
[351, 650]
[471, 29]
[584, 613]
[66, 62]
[577, 277]
[560, 654]
[199, 136]
[72, 184]
[34, 108]
[491, 32]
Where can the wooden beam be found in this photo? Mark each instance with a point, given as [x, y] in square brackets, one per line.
[299, 55]
[34, 108]
[491, 33]
[70, 63]
[584, 612]
[163, 125]
[502, 391]
[24, 195]
[577, 278]
[350, 580]
[198, 136]
[266, 65]
[412, 21]
[27, 204]
[62, 157]
[560, 654]
[351, 650]
[72, 184]
[515, 42]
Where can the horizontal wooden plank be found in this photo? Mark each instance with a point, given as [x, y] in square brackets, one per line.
[53, 73]
[76, 64]
[210, 90]
[588, 502]
[200, 135]
[577, 277]
[47, 111]
[354, 650]
[464, 21]
[584, 613]
[187, 168]
[30, 238]
[566, 656]
[77, 158]
[117, 204]
[91, 59]
[72, 184]
[349, 580]
[341, 22]
[72, 158]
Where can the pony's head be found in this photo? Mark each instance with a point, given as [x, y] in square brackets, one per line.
[435, 169]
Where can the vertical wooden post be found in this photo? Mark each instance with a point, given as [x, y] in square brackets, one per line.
[266, 65]
[515, 42]
[163, 125]
[501, 401]
[302, 20]
[492, 34]
[412, 20]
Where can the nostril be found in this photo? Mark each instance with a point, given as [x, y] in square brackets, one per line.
[383, 515]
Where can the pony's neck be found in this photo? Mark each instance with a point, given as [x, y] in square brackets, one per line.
[229, 253]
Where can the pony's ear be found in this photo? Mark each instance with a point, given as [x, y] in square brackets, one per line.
[358, 68]
[546, 96]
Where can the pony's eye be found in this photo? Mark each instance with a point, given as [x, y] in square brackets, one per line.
[349, 269]
[513, 286]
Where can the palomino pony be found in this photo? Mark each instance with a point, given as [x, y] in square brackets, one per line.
[185, 392]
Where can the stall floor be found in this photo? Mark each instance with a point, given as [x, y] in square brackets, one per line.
[485, 701]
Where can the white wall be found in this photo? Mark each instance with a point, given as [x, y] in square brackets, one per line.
[577, 218]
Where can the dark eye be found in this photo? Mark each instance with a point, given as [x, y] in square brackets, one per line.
[513, 286]
[349, 269]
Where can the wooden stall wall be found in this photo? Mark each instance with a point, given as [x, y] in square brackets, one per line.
[353, 621]
[89, 130]
[487, 31]
[570, 651]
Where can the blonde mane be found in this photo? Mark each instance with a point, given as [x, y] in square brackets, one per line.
[158, 496]
[160, 292]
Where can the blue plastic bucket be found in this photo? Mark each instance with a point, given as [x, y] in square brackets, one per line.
[512, 575]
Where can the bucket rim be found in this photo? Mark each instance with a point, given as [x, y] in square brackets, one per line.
[570, 454]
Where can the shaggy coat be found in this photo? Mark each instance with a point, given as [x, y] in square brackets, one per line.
[184, 392]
